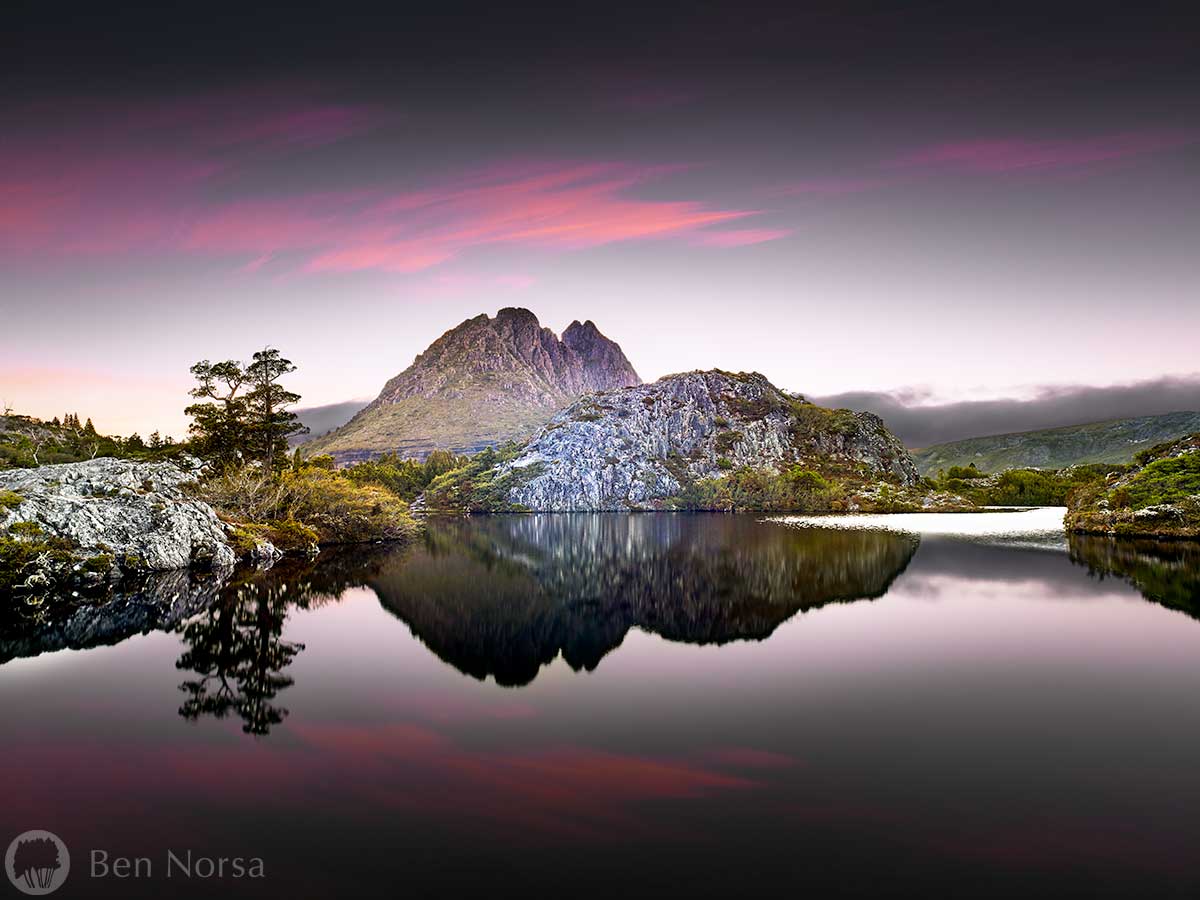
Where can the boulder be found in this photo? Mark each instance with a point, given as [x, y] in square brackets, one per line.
[126, 514]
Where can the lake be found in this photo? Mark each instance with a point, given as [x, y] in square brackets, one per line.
[637, 705]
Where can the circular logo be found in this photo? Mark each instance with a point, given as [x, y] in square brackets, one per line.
[37, 862]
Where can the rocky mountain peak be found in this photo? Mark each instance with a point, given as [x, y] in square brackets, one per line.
[485, 381]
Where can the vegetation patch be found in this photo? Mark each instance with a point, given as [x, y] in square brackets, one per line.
[725, 441]
[307, 501]
[287, 537]
[1158, 497]
[1020, 487]
[477, 487]
[406, 478]
[32, 562]
[752, 409]
[794, 490]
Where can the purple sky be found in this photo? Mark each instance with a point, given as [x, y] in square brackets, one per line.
[845, 202]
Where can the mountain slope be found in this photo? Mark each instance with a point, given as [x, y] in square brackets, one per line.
[487, 381]
[1114, 441]
[643, 447]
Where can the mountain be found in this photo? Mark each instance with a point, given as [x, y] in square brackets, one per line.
[487, 381]
[1114, 441]
[641, 447]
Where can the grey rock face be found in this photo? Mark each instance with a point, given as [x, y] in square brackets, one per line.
[125, 509]
[628, 448]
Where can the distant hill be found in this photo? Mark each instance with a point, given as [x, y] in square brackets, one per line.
[484, 382]
[1115, 441]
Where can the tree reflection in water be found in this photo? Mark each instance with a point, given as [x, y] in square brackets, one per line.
[237, 650]
[236, 647]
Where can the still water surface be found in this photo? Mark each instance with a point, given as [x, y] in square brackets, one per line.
[634, 705]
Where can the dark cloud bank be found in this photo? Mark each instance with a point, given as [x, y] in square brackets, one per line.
[1052, 407]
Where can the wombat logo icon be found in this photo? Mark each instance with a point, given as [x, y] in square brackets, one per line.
[37, 863]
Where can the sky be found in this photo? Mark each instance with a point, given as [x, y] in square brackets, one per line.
[925, 202]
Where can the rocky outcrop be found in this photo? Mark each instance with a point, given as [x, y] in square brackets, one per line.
[487, 381]
[633, 447]
[118, 515]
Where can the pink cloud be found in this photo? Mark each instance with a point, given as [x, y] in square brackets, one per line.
[741, 238]
[157, 179]
[108, 180]
[1022, 155]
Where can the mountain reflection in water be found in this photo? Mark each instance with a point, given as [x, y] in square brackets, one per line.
[848, 710]
[504, 596]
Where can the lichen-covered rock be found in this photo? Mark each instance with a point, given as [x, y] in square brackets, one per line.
[631, 448]
[119, 514]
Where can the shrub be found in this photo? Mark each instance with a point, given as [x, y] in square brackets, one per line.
[725, 441]
[10, 499]
[25, 550]
[299, 503]
[795, 490]
[964, 472]
[406, 478]
[476, 486]
[1167, 480]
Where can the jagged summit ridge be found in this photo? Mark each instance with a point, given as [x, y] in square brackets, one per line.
[483, 382]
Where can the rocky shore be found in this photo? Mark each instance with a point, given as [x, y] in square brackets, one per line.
[98, 520]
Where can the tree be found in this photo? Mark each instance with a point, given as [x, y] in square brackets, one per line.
[38, 437]
[156, 441]
[271, 421]
[219, 426]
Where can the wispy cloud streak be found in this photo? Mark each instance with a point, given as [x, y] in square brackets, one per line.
[160, 181]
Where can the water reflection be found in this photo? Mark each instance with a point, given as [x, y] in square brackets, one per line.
[237, 653]
[1167, 572]
[503, 596]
